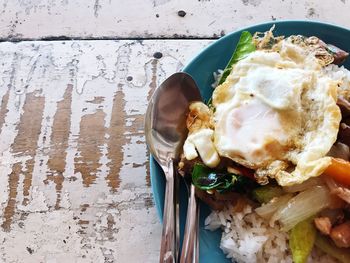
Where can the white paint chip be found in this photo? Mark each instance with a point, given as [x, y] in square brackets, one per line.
[91, 223]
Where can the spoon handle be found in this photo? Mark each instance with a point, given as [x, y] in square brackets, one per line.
[168, 247]
[190, 247]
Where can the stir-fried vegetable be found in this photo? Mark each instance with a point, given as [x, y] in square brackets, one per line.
[303, 206]
[244, 47]
[304, 186]
[327, 246]
[339, 170]
[267, 210]
[205, 178]
[301, 240]
[265, 193]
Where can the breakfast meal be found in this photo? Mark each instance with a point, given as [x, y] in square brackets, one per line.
[269, 152]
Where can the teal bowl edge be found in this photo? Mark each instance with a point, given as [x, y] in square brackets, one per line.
[199, 67]
[261, 27]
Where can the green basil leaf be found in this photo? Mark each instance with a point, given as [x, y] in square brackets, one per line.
[205, 178]
[244, 47]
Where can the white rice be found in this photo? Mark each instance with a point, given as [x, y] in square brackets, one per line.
[246, 237]
[341, 75]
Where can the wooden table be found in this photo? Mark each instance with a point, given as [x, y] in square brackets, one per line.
[74, 178]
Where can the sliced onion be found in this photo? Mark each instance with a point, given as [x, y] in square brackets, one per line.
[305, 185]
[267, 210]
[303, 206]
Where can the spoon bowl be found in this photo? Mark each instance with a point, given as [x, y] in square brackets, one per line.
[165, 125]
[165, 131]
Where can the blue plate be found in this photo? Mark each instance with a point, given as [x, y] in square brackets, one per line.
[201, 68]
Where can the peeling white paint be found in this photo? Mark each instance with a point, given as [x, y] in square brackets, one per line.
[100, 219]
[96, 223]
[56, 239]
[155, 18]
[37, 202]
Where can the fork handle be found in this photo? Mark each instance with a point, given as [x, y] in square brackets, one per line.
[168, 247]
[190, 246]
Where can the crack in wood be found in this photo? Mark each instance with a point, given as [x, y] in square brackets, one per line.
[97, 7]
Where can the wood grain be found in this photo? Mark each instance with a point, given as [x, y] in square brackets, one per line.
[74, 178]
[59, 143]
[116, 140]
[108, 19]
[87, 161]
[74, 175]
[24, 145]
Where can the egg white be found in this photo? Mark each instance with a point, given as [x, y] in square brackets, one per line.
[276, 113]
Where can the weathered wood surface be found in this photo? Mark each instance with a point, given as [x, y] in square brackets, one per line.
[74, 181]
[154, 18]
[74, 185]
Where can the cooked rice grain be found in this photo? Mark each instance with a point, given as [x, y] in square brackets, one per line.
[246, 237]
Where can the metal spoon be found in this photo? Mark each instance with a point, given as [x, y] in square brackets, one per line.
[165, 130]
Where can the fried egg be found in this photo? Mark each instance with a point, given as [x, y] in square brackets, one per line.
[201, 135]
[276, 113]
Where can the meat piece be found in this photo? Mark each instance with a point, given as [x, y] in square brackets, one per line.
[346, 120]
[344, 106]
[341, 235]
[335, 216]
[336, 202]
[323, 224]
[344, 134]
[338, 189]
[340, 150]
[239, 205]
[338, 54]
[229, 196]
[185, 166]
[343, 193]
[326, 53]
[210, 200]
[218, 201]
[199, 117]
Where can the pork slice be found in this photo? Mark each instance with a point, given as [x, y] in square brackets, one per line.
[344, 106]
[341, 235]
[323, 224]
